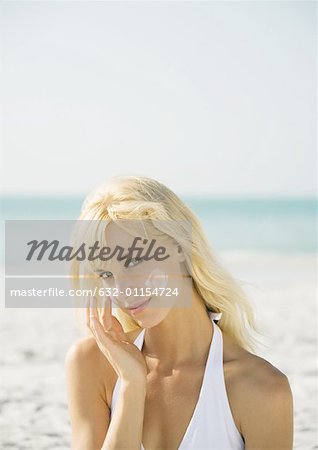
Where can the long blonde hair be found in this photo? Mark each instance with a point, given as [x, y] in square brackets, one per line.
[136, 197]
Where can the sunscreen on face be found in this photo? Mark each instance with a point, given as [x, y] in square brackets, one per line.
[157, 279]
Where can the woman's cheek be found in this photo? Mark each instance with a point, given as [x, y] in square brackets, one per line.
[157, 278]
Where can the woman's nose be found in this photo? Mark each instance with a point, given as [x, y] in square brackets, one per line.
[123, 283]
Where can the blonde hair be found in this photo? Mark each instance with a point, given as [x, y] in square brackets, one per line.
[141, 198]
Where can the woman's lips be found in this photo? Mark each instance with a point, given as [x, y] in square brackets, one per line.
[140, 307]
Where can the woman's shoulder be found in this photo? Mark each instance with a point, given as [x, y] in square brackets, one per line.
[86, 348]
[85, 351]
[84, 357]
[85, 360]
[257, 374]
[248, 367]
[254, 385]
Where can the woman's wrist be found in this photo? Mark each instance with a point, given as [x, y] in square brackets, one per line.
[134, 386]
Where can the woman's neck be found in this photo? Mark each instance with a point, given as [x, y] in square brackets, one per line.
[183, 337]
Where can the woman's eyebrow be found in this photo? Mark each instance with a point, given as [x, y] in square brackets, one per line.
[121, 259]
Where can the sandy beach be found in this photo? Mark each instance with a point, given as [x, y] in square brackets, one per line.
[33, 402]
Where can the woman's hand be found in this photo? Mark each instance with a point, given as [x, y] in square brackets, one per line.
[125, 357]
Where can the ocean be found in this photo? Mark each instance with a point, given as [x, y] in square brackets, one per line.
[266, 225]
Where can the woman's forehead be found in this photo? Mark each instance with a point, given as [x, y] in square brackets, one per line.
[121, 234]
[125, 233]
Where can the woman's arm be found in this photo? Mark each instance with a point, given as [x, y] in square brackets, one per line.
[86, 372]
[267, 416]
[125, 429]
[85, 381]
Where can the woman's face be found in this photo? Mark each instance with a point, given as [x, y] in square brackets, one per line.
[146, 289]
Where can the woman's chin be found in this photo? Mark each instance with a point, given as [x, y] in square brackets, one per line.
[151, 317]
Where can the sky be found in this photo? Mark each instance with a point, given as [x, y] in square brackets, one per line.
[210, 98]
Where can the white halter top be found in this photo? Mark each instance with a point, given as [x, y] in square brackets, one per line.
[212, 425]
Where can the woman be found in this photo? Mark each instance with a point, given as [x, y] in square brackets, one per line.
[161, 373]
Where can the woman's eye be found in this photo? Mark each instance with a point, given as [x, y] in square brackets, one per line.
[133, 262]
[105, 275]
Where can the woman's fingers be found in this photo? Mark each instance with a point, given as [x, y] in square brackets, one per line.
[94, 310]
[97, 329]
[114, 344]
[111, 323]
[103, 339]
[118, 329]
[88, 311]
[91, 311]
[106, 324]
[106, 316]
